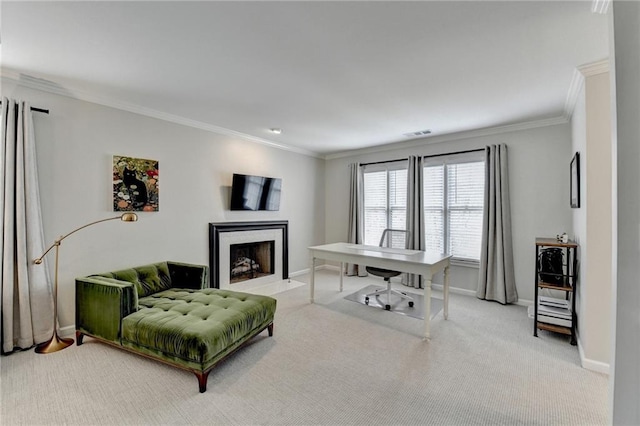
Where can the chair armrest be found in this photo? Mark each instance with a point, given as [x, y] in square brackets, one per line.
[185, 275]
[101, 304]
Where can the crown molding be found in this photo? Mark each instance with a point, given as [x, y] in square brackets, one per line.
[51, 87]
[577, 82]
[594, 68]
[574, 90]
[487, 131]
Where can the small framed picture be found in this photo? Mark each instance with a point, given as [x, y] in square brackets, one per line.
[135, 184]
[575, 181]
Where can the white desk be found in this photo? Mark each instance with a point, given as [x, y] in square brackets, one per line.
[423, 263]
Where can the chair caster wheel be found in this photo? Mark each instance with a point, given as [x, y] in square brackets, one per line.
[366, 300]
[411, 304]
[387, 307]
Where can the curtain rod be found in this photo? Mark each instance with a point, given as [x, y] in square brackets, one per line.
[44, 111]
[383, 162]
[454, 153]
[424, 156]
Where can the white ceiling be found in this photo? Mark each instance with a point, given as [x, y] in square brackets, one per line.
[335, 76]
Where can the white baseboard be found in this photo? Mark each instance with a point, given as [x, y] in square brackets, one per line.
[298, 273]
[317, 268]
[68, 331]
[590, 364]
[597, 366]
[524, 302]
[330, 267]
[457, 290]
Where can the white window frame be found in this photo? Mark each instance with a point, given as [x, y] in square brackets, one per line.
[466, 157]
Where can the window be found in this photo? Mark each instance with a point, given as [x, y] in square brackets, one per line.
[385, 199]
[453, 204]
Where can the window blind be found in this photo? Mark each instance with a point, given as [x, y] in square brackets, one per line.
[465, 198]
[454, 198]
[385, 200]
[434, 211]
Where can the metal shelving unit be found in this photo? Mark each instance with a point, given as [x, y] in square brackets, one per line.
[566, 282]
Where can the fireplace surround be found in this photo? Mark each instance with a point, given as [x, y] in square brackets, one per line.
[223, 234]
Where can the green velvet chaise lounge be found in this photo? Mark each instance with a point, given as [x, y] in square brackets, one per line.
[164, 311]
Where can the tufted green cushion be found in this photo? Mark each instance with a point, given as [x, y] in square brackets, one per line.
[195, 326]
[147, 279]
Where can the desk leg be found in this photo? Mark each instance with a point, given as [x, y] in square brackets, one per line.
[427, 306]
[341, 275]
[446, 293]
[312, 279]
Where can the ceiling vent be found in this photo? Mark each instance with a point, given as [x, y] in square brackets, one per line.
[418, 134]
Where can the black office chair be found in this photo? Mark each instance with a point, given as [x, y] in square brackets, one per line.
[394, 238]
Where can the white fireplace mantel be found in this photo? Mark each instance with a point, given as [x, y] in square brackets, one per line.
[223, 235]
[227, 239]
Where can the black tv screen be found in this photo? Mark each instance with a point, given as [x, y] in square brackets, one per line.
[255, 192]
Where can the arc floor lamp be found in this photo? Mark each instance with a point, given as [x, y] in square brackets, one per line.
[57, 343]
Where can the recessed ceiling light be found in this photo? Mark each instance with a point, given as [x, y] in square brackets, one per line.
[275, 130]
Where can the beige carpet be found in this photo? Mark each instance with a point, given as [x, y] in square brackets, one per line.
[335, 362]
[397, 305]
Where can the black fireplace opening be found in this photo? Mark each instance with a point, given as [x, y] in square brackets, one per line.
[251, 260]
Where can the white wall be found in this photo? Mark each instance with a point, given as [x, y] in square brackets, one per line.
[539, 184]
[625, 377]
[75, 145]
[598, 205]
[591, 132]
[579, 144]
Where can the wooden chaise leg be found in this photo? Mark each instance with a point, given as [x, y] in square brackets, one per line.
[202, 377]
[202, 380]
[79, 337]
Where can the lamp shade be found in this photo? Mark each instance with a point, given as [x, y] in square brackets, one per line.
[129, 217]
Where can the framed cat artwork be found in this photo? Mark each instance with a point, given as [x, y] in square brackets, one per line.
[135, 184]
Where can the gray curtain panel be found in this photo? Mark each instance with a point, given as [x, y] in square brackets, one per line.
[27, 301]
[356, 217]
[415, 214]
[497, 278]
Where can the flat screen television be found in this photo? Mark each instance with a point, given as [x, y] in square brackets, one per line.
[255, 192]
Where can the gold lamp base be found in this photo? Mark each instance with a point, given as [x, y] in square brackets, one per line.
[54, 344]
[57, 343]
